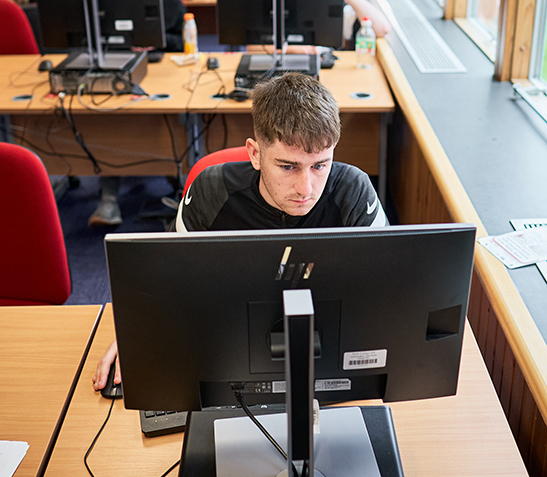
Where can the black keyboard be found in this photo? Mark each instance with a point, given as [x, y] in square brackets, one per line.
[159, 423]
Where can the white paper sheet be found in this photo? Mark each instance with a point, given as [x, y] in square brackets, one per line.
[11, 455]
[520, 248]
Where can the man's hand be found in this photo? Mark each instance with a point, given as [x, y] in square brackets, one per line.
[103, 367]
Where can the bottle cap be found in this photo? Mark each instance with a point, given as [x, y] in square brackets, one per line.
[188, 16]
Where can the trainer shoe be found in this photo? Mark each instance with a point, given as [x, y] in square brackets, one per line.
[107, 213]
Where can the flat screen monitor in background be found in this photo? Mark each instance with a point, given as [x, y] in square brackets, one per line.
[196, 313]
[124, 23]
[304, 22]
[93, 29]
[307, 22]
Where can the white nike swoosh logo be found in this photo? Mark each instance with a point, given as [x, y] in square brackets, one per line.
[372, 208]
[188, 197]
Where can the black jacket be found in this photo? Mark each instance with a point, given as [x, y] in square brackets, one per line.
[226, 197]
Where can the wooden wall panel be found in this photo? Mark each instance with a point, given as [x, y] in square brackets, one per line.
[539, 446]
[491, 342]
[501, 349]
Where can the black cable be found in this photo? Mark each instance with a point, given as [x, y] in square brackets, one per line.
[241, 400]
[78, 135]
[172, 137]
[50, 144]
[191, 145]
[191, 88]
[76, 156]
[170, 469]
[92, 93]
[97, 437]
[30, 69]
[28, 106]
[225, 139]
[225, 126]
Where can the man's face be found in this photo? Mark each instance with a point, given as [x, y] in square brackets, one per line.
[291, 180]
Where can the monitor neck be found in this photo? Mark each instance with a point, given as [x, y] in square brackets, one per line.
[278, 29]
[298, 323]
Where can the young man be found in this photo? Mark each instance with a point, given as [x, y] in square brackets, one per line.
[290, 181]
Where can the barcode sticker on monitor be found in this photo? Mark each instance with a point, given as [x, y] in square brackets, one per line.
[342, 384]
[365, 359]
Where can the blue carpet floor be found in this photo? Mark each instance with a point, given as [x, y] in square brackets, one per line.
[85, 245]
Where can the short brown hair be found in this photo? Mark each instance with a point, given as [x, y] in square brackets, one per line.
[296, 110]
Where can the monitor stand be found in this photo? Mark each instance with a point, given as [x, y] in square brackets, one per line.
[111, 61]
[342, 446]
[255, 68]
[198, 453]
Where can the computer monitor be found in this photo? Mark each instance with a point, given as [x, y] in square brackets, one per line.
[307, 22]
[304, 22]
[124, 23]
[194, 313]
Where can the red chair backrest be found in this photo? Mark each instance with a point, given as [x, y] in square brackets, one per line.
[33, 260]
[16, 35]
[233, 154]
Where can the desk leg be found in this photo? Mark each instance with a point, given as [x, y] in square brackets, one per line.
[385, 121]
[194, 131]
[6, 134]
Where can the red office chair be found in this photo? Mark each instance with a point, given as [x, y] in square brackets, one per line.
[16, 35]
[33, 260]
[233, 154]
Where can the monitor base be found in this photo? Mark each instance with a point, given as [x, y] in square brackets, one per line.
[255, 68]
[198, 456]
[122, 72]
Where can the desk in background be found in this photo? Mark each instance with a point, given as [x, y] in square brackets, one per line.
[140, 131]
[459, 436]
[40, 350]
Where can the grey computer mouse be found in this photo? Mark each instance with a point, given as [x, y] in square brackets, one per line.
[45, 65]
[212, 63]
[111, 390]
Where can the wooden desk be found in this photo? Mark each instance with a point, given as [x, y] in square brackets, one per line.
[122, 449]
[40, 350]
[463, 435]
[138, 132]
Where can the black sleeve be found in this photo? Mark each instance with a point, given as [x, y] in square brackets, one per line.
[204, 199]
[173, 12]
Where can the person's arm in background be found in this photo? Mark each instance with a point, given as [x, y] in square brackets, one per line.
[364, 8]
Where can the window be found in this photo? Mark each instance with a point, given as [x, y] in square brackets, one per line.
[484, 15]
[538, 60]
[479, 20]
